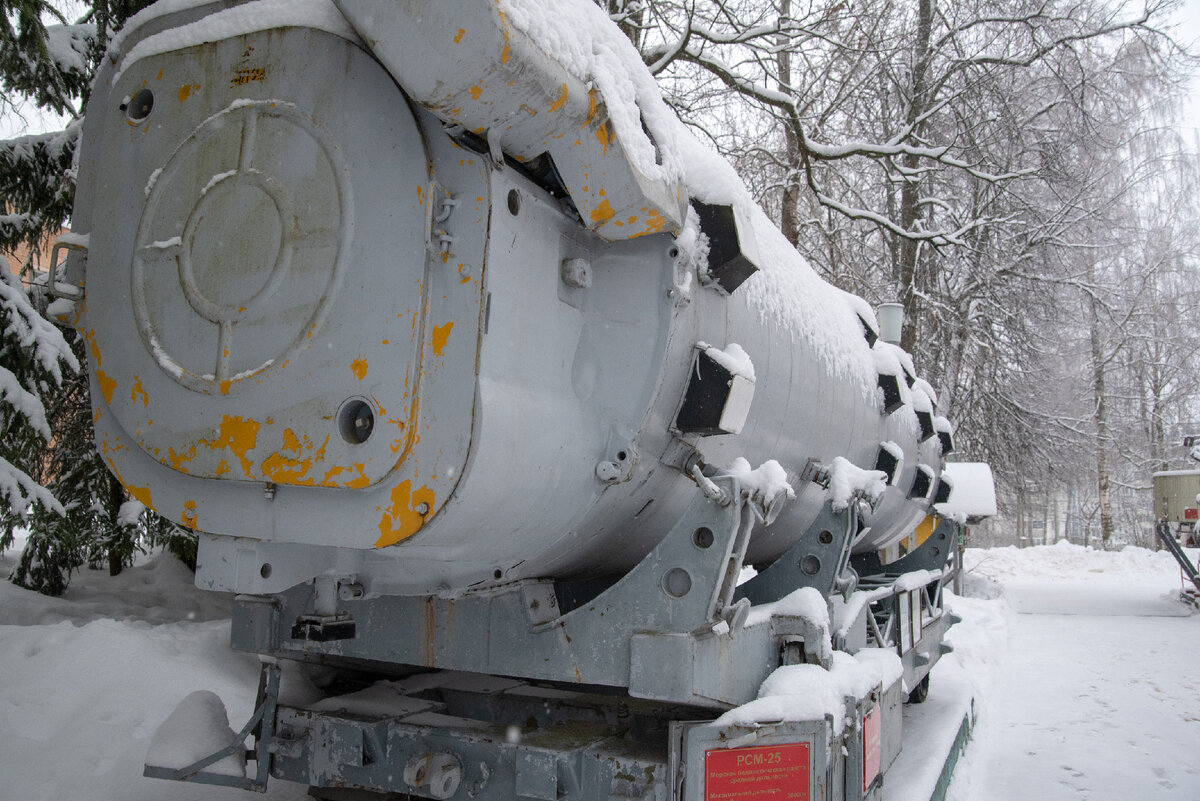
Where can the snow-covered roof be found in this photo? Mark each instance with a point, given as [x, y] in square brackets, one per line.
[973, 491]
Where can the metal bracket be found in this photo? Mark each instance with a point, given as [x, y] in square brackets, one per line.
[930, 555]
[439, 205]
[61, 289]
[261, 727]
[818, 559]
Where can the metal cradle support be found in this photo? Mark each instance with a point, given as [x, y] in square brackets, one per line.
[818, 559]
[261, 727]
[671, 629]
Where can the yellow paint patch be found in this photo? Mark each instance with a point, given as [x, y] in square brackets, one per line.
[357, 480]
[562, 100]
[401, 520]
[107, 385]
[186, 90]
[591, 109]
[603, 212]
[236, 435]
[245, 75]
[225, 384]
[188, 517]
[506, 53]
[476, 91]
[440, 334]
[138, 390]
[290, 465]
[604, 136]
[359, 367]
[654, 224]
[458, 37]
[141, 494]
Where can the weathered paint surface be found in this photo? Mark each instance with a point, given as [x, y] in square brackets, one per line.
[236, 435]
[562, 100]
[292, 463]
[138, 391]
[441, 333]
[401, 519]
[188, 516]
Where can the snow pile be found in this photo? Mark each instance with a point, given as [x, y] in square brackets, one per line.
[766, 486]
[1066, 561]
[848, 481]
[582, 38]
[809, 692]
[972, 491]
[88, 677]
[198, 727]
[130, 513]
[260, 15]
[733, 358]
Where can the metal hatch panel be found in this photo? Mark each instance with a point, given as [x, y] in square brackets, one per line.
[262, 266]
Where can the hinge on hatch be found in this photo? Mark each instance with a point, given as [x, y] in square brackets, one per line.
[439, 205]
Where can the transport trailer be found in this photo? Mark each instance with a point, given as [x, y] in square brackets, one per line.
[477, 375]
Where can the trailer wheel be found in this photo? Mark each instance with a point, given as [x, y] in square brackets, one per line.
[920, 692]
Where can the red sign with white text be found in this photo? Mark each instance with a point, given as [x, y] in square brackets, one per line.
[774, 772]
[872, 746]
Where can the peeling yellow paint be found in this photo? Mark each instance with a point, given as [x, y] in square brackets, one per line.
[476, 91]
[107, 385]
[287, 465]
[236, 435]
[186, 90]
[141, 494]
[224, 385]
[603, 212]
[655, 222]
[440, 334]
[506, 53]
[138, 390]
[458, 37]
[188, 517]
[401, 520]
[562, 100]
[359, 367]
[358, 481]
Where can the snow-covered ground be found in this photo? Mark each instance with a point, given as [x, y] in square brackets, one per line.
[1083, 665]
[1096, 692]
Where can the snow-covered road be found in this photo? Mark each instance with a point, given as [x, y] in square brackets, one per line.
[1097, 697]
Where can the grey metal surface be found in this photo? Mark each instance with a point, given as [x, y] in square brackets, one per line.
[818, 560]
[668, 630]
[287, 240]
[932, 554]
